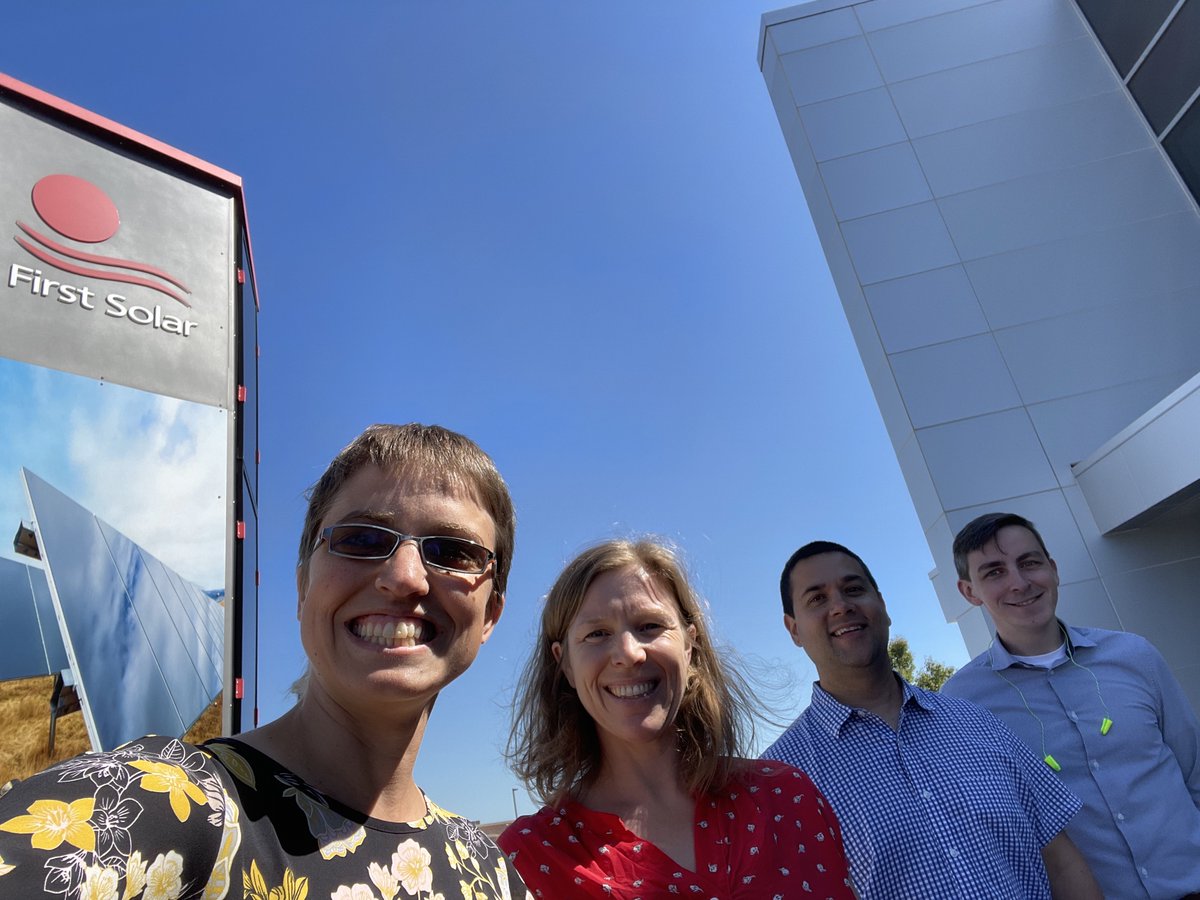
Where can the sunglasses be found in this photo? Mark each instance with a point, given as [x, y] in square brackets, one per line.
[450, 554]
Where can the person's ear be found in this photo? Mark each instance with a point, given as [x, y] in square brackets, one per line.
[301, 577]
[789, 622]
[557, 649]
[968, 591]
[491, 614]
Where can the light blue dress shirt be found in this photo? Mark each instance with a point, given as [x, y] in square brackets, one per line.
[950, 805]
[1140, 783]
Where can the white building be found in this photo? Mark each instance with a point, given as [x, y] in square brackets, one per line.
[1005, 193]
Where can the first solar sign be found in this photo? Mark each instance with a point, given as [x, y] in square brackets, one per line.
[117, 262]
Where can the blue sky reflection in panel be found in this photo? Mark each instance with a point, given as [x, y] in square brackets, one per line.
[213, 616]
[162, 617]
[115, 636]
[190, 622]
[30, 644]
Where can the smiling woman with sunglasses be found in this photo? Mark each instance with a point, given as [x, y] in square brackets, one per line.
[403, 563]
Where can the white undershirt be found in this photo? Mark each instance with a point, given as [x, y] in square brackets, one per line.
[1044, 660]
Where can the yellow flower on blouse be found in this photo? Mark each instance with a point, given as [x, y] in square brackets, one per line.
[164, 878]
[52, 821]
[354, 892]
[164, 778]
[99, 883]
[5, 868]
[410, 865]
[253, 882]
[293, 888]
[383, 879]
[255, 885]
[135, 875]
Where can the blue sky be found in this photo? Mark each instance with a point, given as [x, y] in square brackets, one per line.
[571, 231]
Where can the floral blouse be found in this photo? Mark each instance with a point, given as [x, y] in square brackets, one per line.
[768, 834]
[158, 819]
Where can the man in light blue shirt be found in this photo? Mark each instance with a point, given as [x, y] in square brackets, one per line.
[936, 798]
[1100, 707]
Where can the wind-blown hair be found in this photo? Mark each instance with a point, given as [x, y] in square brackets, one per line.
[444, 459]
[554, 747]
[981, 531]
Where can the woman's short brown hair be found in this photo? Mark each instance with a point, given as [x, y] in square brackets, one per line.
[554, 747]
[443, 457]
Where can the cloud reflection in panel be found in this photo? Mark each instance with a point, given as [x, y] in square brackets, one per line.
[146, 645]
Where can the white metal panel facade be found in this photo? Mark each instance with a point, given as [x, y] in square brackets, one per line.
[1019, 262]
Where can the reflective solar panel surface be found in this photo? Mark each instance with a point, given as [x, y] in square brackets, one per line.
[30, 643]
[140, 642]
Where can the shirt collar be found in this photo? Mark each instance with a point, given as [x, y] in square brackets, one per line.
[831, 715]
[999, 657]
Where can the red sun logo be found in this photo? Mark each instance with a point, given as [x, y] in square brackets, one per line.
[79, 210]
[76, 208]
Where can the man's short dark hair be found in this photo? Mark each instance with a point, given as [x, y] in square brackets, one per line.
[815, 548]
[981, 531]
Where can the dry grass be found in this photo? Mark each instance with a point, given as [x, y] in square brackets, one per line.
[25, 728]
[207, 726]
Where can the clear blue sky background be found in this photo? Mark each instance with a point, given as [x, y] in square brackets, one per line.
[571, 231]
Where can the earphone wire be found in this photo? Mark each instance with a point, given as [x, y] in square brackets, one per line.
[1095, 680]
[1041, 726]
[1105, 724]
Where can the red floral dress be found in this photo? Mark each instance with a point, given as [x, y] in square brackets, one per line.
[769, 833]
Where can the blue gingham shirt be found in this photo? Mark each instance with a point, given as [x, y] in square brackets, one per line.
[950, 805]
[1140, 783]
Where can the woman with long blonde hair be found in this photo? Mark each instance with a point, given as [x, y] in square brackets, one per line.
[629, 728]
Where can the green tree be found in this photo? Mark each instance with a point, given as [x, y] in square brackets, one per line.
[902, 658]
[932, 675]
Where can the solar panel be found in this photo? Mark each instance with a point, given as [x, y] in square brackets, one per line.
[142, 650]
[30, 643]
[192, 620]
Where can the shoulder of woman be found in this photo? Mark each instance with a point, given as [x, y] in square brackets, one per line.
[755, 772]
[532, 828]
[152, 807]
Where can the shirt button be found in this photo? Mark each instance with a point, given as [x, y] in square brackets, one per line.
[1143, 871]
[1095, 763]
[1073, 716]
[953, 853]
[1120, 817]
[925, 794]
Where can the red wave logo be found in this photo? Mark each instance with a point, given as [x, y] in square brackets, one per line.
[79, 210]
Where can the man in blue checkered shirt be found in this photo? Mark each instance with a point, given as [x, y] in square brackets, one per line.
[936, 798]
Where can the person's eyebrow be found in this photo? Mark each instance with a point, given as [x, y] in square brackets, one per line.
[988, 564]
[845, 579]
[454, 529]
[368, 513]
